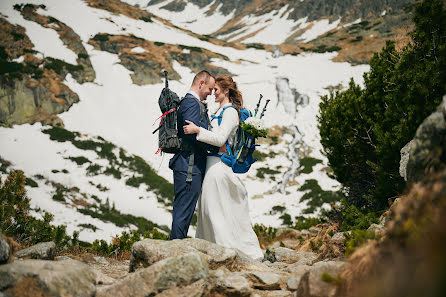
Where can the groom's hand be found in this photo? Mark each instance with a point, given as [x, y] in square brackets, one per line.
[191, 128]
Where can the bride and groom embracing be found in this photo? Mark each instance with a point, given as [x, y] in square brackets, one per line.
[223, 212]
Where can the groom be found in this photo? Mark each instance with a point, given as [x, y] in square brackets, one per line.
[189, 165]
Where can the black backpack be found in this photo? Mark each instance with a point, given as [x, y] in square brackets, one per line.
[168, 139]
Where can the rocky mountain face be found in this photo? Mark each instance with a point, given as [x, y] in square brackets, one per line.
[314, 9]
[31, 85]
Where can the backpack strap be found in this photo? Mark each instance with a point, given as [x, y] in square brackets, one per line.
[220, 118]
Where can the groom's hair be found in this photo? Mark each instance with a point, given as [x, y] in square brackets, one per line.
[203, 75]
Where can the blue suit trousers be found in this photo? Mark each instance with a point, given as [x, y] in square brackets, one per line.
[186, 197]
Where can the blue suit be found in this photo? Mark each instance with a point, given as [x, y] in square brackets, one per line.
[187, 192]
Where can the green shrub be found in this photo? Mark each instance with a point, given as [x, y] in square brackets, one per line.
[79, 160]
[286, 219]
[356, 239]
[17, 36]
[363, 130]
[124, 242]
[94, 169]
[264, 170]
[316, 197]
[191, 48]
[108, 213]
[113, 171]
[146, 19]
[303, 223]
[15, 218]
[357, 39]
[52, 19]
[60, 66]
[30, 182]
[264, 232]
[307, 163]
[88, 226]
[351, 218]
[326, 277]
[157, 43]
[255, 45]
[82, 56]
[259, 155]
[101, 37]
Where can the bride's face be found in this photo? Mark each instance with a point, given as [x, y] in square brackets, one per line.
[219, 94]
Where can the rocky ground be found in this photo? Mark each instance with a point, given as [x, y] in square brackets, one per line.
[190, 267]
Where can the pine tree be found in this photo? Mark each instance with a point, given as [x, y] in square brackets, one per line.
[363, 131]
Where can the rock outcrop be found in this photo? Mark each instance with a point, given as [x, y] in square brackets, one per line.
[426, 153]
[166, 274]
[43, 251]
[147, 59]
[31, 90]
[47, 278]
[4, 250]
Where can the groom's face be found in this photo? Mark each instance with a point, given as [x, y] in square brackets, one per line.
[206, 88]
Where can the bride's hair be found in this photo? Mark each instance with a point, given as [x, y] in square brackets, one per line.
[235, 97]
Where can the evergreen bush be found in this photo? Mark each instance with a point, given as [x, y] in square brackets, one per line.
[363, 130]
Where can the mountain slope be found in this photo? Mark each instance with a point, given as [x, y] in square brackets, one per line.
[118, 109]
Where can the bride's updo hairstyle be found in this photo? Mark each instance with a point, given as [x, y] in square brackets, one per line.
[226, 83]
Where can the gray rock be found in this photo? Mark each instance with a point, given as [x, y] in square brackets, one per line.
[264, 280]
[293, 283]
[245, 262]
[101, 260]
[4, 250]
[65, 278]
[20, 104]
[290, 256]
[428, 146]
[297, 269]
[275, 293]
[43, 251]
[277, 265]
[149, 251]
[404, 152]
[289, 231]
[312, 285]
[62, 258]
[375, 228]
[102, 279]
[197, 289]
[179, 271]
[231, 283]
[338, 238]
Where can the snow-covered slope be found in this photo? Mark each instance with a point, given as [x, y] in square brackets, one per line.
[122, 113]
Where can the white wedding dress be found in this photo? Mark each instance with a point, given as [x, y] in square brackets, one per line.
[223, 211]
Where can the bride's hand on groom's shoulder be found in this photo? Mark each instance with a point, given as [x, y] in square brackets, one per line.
[191, 128]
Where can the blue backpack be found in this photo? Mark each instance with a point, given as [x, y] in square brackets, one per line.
[239, 156]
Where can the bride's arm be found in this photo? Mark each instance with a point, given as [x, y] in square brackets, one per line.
[218, 136]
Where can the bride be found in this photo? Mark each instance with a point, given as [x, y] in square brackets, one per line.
[223, 212]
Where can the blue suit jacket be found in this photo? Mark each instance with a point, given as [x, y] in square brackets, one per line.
[190, 110]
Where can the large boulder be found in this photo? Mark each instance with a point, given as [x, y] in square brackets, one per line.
[4, 250]
[47, 278]
[427, 150]
[320, 280]
[179, 271]
[149, 251]
[43, 251]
